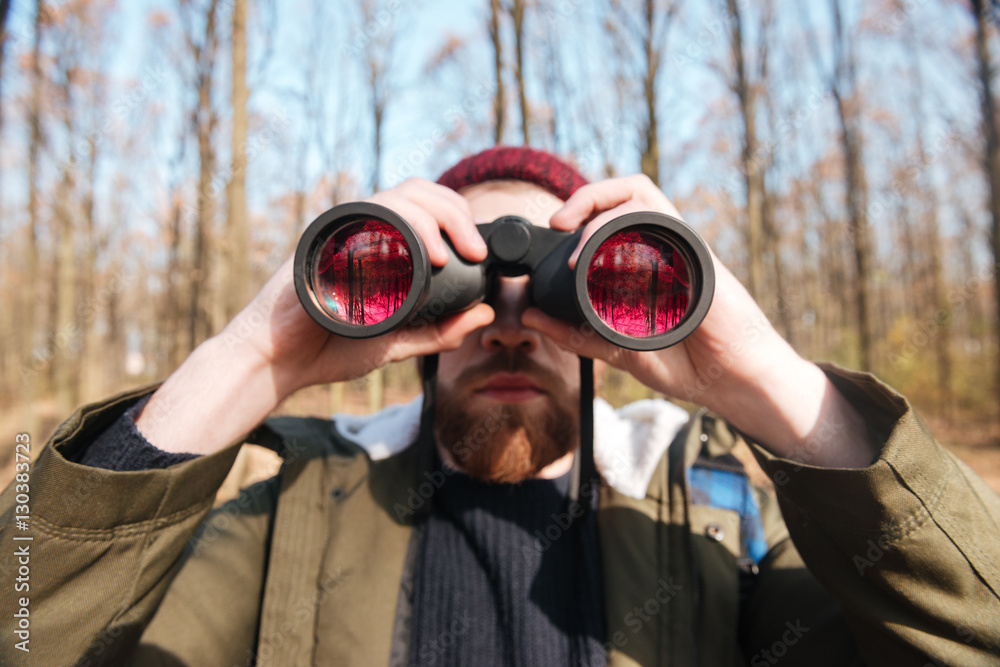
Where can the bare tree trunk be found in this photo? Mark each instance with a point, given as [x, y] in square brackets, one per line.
[650, 158]
[807, 279]
[65, 341]
[376, 82]
[832, 264]
[498, 97]
[7, 354]
[845, 84]
[377, 55]
[517, 13]
[555, 86]
[32, 278]
[237, 242]
[204, 126]
[64, 337]
[85, 317]
[781, 296]
[942, 314]
[174, 287]
[975, 312]
[991, 159]
[752, 169]
[940, 309]
[4, 10]
[114, 339]
[857, 210]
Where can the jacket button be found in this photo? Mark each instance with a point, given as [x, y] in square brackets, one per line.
[715, 532]
[337, 493]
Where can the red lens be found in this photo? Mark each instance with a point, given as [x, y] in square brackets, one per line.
[639, 284]
[364, 272]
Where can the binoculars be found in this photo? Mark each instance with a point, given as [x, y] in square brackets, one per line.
[643, 281]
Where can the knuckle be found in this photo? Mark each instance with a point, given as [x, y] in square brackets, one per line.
[643, 181]
[442, 341]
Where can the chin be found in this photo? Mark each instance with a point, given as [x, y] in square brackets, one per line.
[501, 441]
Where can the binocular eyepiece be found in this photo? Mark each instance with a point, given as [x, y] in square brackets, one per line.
[644, 281]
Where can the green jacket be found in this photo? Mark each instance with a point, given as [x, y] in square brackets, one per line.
[903, 556]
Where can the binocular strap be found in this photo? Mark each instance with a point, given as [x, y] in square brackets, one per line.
[428, 408]
[585, 477]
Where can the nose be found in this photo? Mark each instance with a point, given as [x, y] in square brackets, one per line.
[506, 331]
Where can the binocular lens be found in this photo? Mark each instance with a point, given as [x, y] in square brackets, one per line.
[644, 280]
[639, 283]
[363, 272]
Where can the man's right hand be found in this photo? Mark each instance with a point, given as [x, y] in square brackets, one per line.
[273, 348]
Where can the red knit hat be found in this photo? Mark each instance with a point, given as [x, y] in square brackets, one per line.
[518, 163]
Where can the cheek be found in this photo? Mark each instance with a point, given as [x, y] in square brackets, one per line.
[567, 365]
[451, 363]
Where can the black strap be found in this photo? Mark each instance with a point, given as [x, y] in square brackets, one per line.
[588, 478]
[587, 562]
[427, 411]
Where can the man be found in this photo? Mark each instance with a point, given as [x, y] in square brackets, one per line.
[396, 540]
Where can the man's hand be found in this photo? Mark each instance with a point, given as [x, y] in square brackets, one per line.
[273, 348]
[735, 363]
[303, 354]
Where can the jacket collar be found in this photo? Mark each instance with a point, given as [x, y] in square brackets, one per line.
[628, 443]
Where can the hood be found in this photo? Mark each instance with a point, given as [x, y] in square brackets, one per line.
[628, 443]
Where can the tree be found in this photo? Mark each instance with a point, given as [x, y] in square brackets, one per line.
[844, 88]
[4, 10]
[202, 46]
[940, 309]
[744, 85]
[650, 33]
[64, 266]
[34, 149]
[378, 55]
[991, 153]
[517, 14]
[237, 242]
[653, 50]
[498, 97]
[173, 311]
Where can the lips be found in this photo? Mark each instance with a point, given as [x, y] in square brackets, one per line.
[510, 388]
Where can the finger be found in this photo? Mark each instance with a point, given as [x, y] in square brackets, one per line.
[578, 339]
[421, 220]
[448, 333]
[630, 206]
[453, 213]
[594, 198]
[441, 190]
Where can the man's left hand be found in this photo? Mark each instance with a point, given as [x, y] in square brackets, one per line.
[735, 363]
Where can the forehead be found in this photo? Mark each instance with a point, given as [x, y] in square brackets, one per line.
[492, 199]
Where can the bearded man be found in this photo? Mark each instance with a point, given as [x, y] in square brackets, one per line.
[448, 531]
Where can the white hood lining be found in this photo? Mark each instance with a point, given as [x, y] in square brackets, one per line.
[628, 443]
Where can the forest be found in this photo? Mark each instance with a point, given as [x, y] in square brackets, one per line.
[160, 159]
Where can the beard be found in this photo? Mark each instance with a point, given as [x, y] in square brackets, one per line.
[507, 442]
